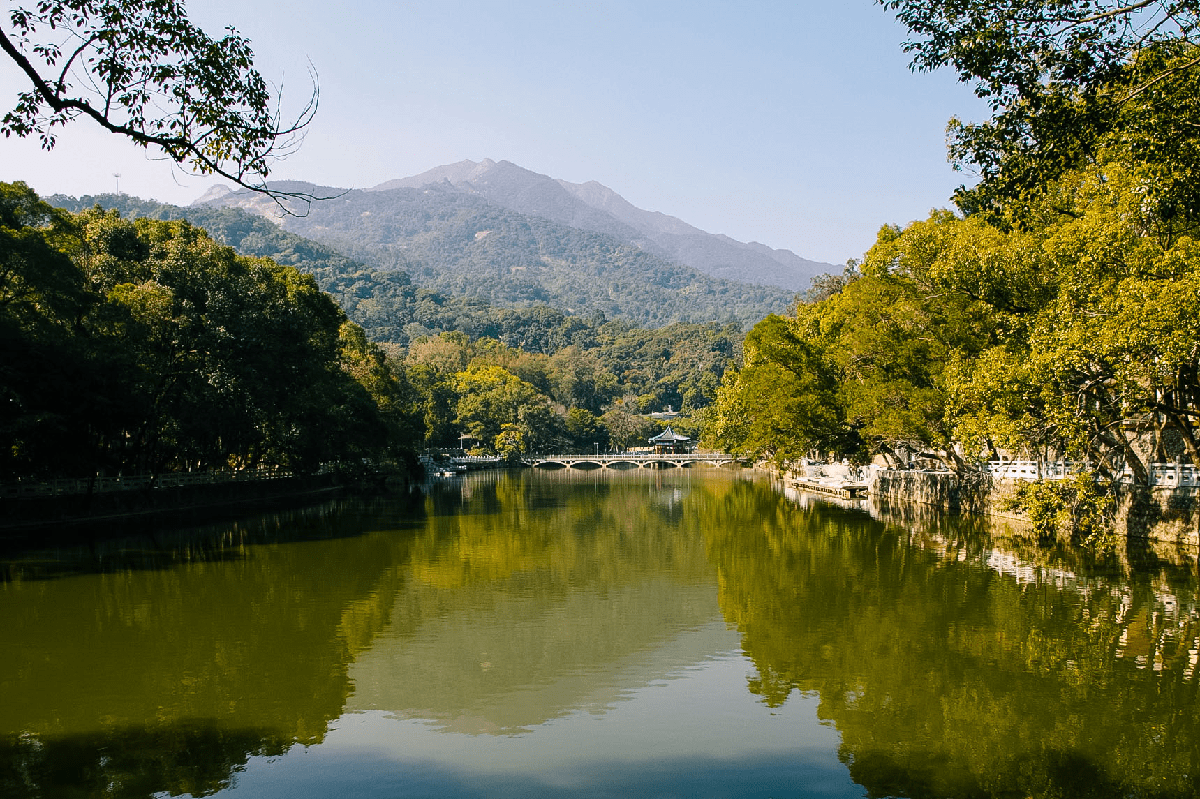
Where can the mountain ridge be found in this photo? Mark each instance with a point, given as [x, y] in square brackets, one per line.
[461, 244]
[598, 208]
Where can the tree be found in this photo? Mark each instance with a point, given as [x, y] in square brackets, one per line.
[1068, 81]
[1075, 336]
[495, 406]
[43, 363]
[585, 430]
[141, 69]
[625, 426]
[782, 404]
[580, 380]
[147, 346]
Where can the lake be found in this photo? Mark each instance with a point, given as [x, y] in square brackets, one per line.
[690, 633]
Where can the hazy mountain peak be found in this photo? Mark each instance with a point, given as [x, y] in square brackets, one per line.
[461, 173]
[593, 207]
[214, 193]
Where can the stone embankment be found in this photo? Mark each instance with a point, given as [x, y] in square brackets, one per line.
[30, 508]
[1169, 514]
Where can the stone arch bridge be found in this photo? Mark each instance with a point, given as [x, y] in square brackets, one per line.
[638, 461]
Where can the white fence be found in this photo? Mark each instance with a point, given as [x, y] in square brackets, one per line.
[1160, 474]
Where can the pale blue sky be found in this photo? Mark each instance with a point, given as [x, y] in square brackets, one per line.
[797, 124]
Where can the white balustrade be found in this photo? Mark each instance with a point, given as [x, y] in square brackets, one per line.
[1160, 474]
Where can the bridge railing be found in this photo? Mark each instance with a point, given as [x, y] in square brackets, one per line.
[477, 459]
[1159, 474]
[642, 457]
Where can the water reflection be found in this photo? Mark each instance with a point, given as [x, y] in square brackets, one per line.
[156, 662]
[590, 634]
[954, 668]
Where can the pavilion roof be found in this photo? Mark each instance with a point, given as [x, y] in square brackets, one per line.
[669, 436]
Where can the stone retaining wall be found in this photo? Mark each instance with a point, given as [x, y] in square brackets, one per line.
[36, 514]
[1161, 514]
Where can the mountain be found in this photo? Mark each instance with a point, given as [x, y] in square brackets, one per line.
[597, 208]
[385, 303]
[461, 243]
[677, 364]
[510, 186]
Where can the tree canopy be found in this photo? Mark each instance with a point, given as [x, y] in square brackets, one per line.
[1073, 337]
[141, 69]
[1070, 82]
[599, 377]
[146, 346]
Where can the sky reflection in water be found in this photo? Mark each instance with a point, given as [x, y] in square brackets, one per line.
[693, 733]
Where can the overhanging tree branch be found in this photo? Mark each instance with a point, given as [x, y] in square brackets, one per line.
[140, 69]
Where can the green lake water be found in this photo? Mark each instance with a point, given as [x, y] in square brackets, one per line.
[689, 633]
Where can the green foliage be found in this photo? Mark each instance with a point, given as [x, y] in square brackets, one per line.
[586, 430]
[1074, 511]
[1070, 83]
[667, 363]
[782, 404]
[144, 71]
[491, 398]
[1075, 337]
[1099, 361]
[863, 368]
[146, 346]
[461, 245]
[571, 362]
[625, 425]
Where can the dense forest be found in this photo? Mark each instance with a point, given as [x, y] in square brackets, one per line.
[144, 346]
[567, 382]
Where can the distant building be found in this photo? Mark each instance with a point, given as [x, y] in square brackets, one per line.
[666, 415]
[668, 442]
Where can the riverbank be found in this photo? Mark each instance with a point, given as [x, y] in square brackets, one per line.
[1166, 515]
[27, 518]
[146, 503]
[1169, 515]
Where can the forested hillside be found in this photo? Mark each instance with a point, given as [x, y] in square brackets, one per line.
[557, 380]
[384, 302]
[597, 208]
[463, 245]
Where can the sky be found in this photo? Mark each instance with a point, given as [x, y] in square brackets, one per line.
[796, 124]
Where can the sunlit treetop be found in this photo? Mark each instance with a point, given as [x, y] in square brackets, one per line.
[1010, 47]
[1069, 82]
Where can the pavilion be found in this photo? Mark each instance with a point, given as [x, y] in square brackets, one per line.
[668, 442]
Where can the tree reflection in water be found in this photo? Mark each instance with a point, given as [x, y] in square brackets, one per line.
[952, 667]
[949, 664]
